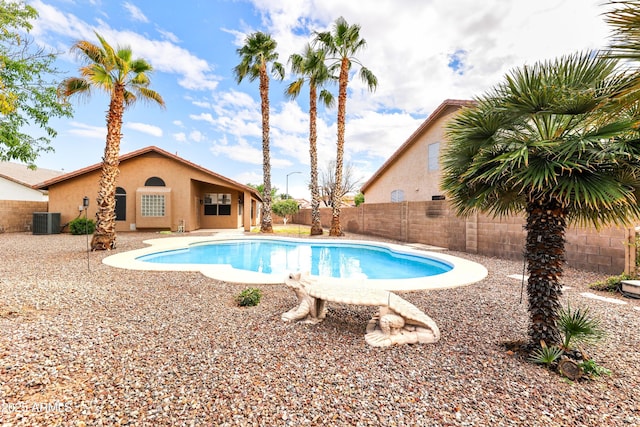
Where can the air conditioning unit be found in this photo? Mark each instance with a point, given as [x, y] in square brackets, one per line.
[46, 223]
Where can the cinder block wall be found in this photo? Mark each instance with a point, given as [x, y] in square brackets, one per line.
[17, 215]
[434, 223]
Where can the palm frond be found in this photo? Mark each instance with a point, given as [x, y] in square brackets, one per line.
[368, 78]
[74, 86]
[294, 88]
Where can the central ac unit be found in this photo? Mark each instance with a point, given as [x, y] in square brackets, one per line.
[46, 223]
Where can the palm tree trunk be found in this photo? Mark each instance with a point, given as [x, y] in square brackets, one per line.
[266, 225]
[336, 227]
[104, 237]
[545, 253]
[316, 224]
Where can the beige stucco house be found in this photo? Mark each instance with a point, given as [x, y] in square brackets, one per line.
[160, 191]
[412, 173]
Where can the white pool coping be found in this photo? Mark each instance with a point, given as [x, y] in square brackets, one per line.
[464, 272]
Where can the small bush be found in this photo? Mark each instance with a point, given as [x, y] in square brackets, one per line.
[592, 369]
[249, 297]
[82, 226]
[610, 284]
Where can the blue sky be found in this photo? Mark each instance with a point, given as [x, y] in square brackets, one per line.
[422, 52]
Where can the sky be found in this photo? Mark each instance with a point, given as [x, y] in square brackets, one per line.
[421, 51]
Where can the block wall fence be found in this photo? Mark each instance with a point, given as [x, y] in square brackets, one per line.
[17, 215]
[434, 223]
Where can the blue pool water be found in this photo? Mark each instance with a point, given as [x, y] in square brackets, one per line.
[339, 260]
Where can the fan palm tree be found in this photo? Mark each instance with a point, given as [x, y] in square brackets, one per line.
[543, 143]
[258, 51]
[312, 68]
[126, 80]
[341, 44]
[624, 18]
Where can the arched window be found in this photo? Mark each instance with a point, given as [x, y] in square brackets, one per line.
[121, 204]
[154, 181]
[397, 196]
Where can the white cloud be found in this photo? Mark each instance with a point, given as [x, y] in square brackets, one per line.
[135, 12]
[88, 131]
[168, 35]
[144, 128]
[244, 152]
[178, 123]
[241, 151]
[180, 137]
[235, 114]
[202, 104]
[248, 177]
[205, 117]
[196, 136]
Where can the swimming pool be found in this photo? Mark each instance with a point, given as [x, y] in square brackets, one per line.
[335, 259]
[320, 259]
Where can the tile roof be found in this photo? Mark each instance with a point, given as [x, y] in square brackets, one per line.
[21, 174]
[45, 184]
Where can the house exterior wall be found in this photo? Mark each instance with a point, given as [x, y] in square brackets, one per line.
[10, 190]
[435, 223]
[185, 187]
[410, 172]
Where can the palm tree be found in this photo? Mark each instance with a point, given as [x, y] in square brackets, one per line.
[624, 18]
[341, 44]
[125, 80]
[311, 67]
[258, 51]
[543, 142]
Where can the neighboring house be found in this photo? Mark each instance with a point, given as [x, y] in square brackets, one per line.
[17, 180]
[18, 199]
[412, 173]
[161, 191]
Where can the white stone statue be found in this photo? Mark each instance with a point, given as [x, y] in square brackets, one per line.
[309, 309]
[397, 321]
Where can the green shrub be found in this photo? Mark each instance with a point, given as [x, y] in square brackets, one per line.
[610, 284]
[592, 369]
[249, 297]
[82, 226]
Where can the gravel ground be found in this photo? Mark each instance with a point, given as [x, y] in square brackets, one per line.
[118, 347]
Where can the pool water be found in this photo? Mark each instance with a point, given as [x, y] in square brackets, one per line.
[339, 260]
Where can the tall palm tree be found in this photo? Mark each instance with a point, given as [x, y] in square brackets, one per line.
[544, 143]
[258, 51]
[341, 44]
[126, 80]
[311, 67]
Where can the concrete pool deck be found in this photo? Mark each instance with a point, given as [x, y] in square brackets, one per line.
[464, 272]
